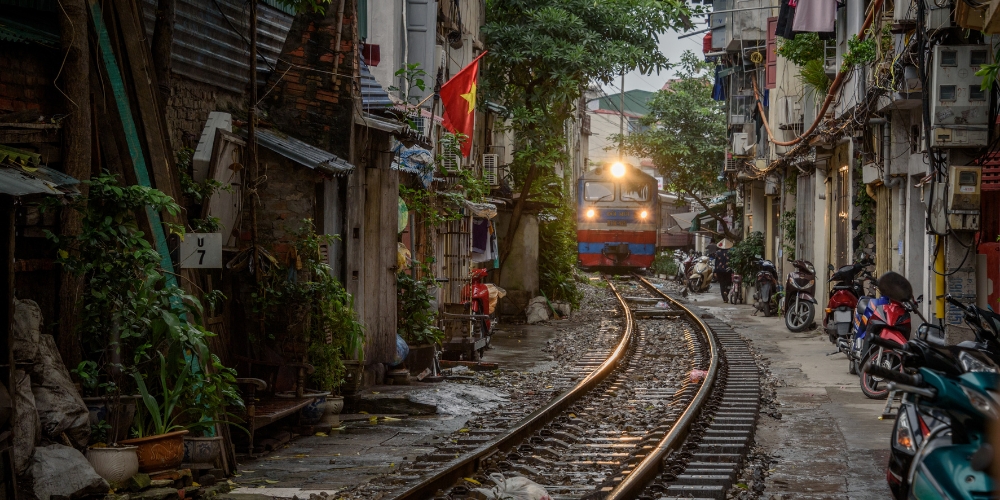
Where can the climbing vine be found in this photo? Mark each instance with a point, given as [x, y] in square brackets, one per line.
[866, 208]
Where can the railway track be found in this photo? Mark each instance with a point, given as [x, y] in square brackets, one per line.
[636, 425]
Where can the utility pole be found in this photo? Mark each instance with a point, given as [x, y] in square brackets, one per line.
[621, 116]
[251, 193]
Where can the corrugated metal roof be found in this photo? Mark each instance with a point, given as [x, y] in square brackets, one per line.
[20, 175]
[13, 30]
[209, 44]
[302, 153]
[373, 96]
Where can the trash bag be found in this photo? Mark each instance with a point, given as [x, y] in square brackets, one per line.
[537, 311]
[402, 351]
[496, 293]
[515, 488]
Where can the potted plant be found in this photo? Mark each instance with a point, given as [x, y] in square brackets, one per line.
[417, 320]
[209, 394]
[160, 436]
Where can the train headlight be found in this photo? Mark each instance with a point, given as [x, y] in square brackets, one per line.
[590, 213]
[618, 169]
[643, 214]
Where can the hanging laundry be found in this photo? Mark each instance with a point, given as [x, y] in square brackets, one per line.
[815, 16]
[785, 16]
[480, 235]
[719, 91]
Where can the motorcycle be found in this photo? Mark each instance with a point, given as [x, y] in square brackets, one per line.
[946, 439]
[736, 290]
[884, 317]
[848, 287]
[685, 263]
[482, 298]
[766, 286]
[915, 421]
[799, 301]
[700, 278]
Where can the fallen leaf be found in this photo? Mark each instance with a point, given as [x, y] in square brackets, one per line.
[464, 429]
[473, 481]
[373, 420]
[390, 419]
[321, 434]
[270, 481]
[363, 412]
[392, 464]
[376, 392]
[572, 415]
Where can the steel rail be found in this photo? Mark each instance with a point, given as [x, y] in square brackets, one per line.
[470, 463]
[652, 464]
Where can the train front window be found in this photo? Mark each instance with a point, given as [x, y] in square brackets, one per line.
[598, 191]
[636, 192]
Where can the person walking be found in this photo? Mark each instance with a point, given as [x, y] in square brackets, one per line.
[722, 271]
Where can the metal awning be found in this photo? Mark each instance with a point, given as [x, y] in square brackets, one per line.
[684, 219]
[384, 124]
[302, 153]
[15, 30]
[21, 175]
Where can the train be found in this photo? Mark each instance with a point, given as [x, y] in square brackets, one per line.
[617, 218]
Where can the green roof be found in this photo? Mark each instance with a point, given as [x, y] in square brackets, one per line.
[635, 102]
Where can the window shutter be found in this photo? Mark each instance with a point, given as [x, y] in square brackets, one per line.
[772, 55]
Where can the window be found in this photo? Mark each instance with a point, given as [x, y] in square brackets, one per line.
[635, 192]
[977, 58]
[947, 93]
[598, 191]
[363, 19]
[949, 58]
[976, 93]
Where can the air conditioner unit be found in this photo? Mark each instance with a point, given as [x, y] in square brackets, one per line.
[740, 143]
[491, 167]
[730, 164]
[451, 162]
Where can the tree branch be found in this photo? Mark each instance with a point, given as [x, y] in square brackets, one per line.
[725, 226]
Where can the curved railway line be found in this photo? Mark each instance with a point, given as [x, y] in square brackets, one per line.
[637, 426]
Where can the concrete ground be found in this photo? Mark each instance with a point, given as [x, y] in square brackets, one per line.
[829, 442]
[364, 450]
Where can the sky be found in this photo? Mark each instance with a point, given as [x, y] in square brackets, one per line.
[672, 47]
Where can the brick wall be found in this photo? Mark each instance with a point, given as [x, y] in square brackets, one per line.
[188, 107]
[314, 104]
[26, 79]
[289, 197]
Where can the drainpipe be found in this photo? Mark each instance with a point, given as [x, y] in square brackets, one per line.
[340, 30]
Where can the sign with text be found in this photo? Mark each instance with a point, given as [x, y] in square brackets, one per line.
[201, 251]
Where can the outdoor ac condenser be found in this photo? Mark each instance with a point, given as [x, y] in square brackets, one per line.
[491, 167]
[740, 143]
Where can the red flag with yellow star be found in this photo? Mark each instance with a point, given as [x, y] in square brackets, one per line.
[459, 98]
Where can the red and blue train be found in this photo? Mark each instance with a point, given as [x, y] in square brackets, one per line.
[617, 217]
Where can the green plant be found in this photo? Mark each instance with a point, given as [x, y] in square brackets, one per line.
[860, 51]
[788, 228]
[197, 192]
[664, 263]
[557, 264]
[866, 209]
[814, 77]
[743, 256]
[804, 48]
[161, 417]
[88, 375]
[412, 74]
[417, 316]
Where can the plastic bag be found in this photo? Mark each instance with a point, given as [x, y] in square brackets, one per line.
[402, 351]
[496, 293]
[515, 488]
[698, 375]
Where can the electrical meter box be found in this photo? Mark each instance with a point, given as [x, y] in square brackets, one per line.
[959, 105]
[963, 198]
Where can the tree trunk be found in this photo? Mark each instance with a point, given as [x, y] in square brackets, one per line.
[77, 135]
[163, 39]
[515, 218]
[727, 231]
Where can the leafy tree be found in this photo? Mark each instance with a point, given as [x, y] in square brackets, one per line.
[686, 137]
[543, 55]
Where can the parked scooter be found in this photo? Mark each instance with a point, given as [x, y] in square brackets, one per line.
[483, 298]
[736, 290]
[915, 421]
[799, 302]
[685, 262]
[884, 317]
[946, 437]
[848, 287]
[766, 287]
[700, 278]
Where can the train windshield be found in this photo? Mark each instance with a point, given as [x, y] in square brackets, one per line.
[636, 192]
[598, 191]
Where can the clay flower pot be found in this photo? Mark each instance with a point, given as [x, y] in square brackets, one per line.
[161, 452]
[202, 450]
[115, 465]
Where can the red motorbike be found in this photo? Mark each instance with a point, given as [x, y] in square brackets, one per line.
[848, 287]
[478, 295]
[885, 317]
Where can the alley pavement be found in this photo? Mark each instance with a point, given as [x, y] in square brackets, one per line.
[829, 442]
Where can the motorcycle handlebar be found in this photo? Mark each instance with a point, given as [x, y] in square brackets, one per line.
[953, 301]
[886, 343]
[893, 375]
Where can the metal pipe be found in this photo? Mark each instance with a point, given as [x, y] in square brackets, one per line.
[340, 30]
[736, 10]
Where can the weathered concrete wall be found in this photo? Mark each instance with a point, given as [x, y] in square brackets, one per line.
[520, 271]
[288, 197]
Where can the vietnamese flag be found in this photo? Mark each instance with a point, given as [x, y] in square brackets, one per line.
[459, 98]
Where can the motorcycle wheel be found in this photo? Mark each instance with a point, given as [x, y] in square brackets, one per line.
[765, 299]
[875, 387]
[799, 316]
[694, 285]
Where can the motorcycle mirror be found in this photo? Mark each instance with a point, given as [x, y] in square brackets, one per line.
[895, 286]
[920, 298]
[830, 267]
[757, 257]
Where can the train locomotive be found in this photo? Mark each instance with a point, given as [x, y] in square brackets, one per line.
[617, 217]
